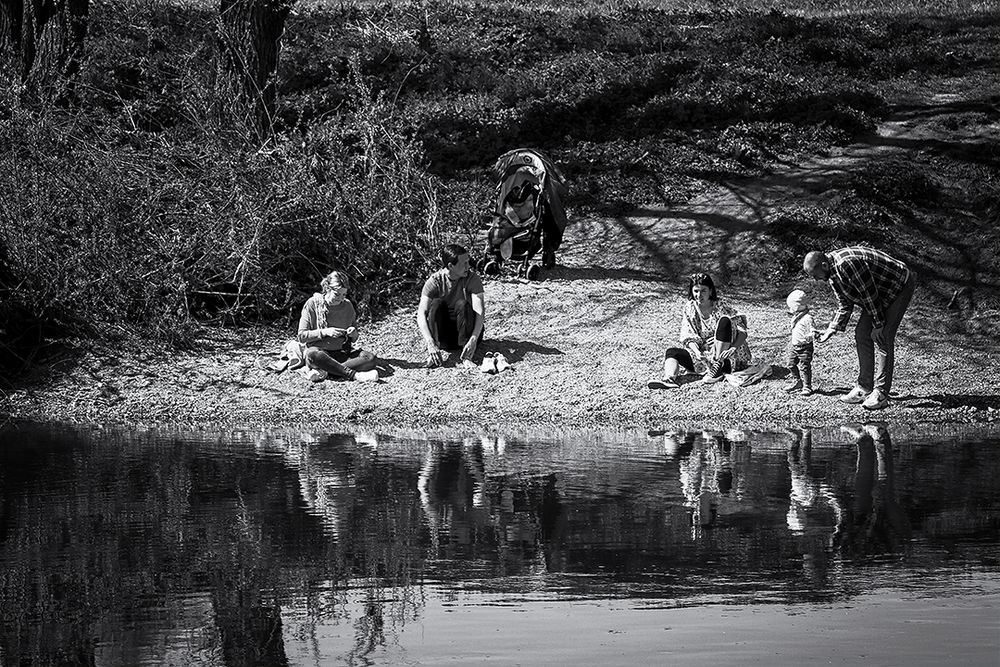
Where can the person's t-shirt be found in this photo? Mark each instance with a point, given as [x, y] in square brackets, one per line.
[455, 293]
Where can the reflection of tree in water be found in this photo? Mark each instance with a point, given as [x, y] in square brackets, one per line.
[100, 543]
[369, 630]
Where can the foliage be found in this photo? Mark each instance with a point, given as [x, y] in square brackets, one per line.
[109, 229]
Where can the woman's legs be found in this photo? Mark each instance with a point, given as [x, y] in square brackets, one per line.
[725, 334]
[673, 359]
[360, 360]
[340, 364]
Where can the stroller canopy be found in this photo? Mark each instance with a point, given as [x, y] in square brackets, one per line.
[523, 168]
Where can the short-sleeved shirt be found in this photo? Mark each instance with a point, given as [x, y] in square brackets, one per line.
[867, 278]
[455, 293]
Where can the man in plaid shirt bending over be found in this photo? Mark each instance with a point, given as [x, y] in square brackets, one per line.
[882, 287]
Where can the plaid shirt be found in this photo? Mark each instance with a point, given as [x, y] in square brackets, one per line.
[867, 278]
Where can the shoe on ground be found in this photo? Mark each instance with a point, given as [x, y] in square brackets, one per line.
[489, 365]
[714, 372]
[854, 396]
[502, 363]
[876, 401]
[366, 376]
[548, 259]
[665, 383]
[793, 386]
[806, 391]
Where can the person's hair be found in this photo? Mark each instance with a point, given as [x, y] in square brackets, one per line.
[450, 254]
[334, 278]
[702, 279]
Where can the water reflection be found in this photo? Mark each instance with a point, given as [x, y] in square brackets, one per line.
[874, 523]
[261, 547]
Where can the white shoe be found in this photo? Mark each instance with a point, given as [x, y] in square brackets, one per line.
[502, 363]
[366, 376]
[489, 365]
[854, 396]
[876, 401]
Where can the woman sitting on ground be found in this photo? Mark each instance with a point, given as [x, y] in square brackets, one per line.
[713, 337]
[328, 329]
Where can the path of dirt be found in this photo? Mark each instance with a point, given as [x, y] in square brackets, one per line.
[585, 340]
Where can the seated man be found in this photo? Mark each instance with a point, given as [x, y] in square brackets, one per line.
[451, 311]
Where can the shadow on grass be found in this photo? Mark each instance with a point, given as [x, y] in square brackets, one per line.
[387, 365]
[950, 401]
[514, 349]
[567, 273]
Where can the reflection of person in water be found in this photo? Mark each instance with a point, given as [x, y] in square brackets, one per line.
[813, 510]
[329, 467]
[707, 475]
[452, 491]
[520, 515]
[875, 523]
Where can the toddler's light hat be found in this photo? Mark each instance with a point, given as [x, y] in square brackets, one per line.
[796, 300]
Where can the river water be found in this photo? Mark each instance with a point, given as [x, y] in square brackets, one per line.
[854, 546]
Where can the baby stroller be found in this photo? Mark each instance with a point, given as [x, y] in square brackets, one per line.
[528, 215]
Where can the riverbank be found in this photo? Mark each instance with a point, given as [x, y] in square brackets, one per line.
[584, 341]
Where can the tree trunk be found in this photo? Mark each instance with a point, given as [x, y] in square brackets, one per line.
[11, 17]
[52, 45]
[251, 40]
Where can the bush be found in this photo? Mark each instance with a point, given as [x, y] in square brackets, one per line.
[110, 230]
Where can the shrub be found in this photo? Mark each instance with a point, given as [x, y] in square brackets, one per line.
[109, 229]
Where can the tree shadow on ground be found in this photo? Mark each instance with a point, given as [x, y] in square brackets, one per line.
[574, 273]
[387, 365]
[950, 401]
[515, 349]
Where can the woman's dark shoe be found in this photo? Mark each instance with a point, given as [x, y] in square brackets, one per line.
[714, 373]
[665, 383]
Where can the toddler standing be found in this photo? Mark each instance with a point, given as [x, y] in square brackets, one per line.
[800, 349]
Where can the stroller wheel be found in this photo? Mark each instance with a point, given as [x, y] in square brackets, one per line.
[549, 259]
[492, 268]
[534, 272]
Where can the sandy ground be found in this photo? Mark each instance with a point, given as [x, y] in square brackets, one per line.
[584, 341]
